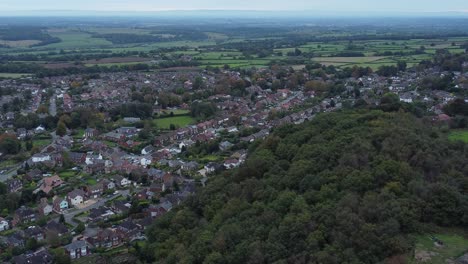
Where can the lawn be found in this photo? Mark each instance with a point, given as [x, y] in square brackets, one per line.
[454, 246]
[178, 121]
[459, 135]
[65, 175]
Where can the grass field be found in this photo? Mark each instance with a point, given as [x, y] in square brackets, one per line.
[77, 39]
[454, 246]
[459, 135]
[178, 121]
[13, 75]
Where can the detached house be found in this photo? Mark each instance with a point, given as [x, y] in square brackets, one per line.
[94, 191]
[4, 225]
[76, 197]
[50, 183]
[14, 185]
[121, 182]
[60, 205]
[34, 232]
[107, 185]
[24, 215]
[78, 249]
[44, 207]
[40, 157]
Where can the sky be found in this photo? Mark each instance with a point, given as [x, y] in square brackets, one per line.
[277, 5]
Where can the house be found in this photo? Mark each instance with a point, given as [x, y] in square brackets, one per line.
[35, 174]
[41, 256]
[129, 230]
[190, 166]
[34, 232]
[127, 131]
[155, 174]
[91, 133]
[14, 185]
[77, 157]
[40, 129]
[114, 137]
[225, 145]
[99, 214]
[92, 158]
[231, 163]
[24, 215]
[148, 150]
[49, 183]
[107, 185]
[212, 167]
[4, 225]
[131, 119]
[40, 157]
[94, 191]
[146, 160]
[21, 133]
[121, 182]
[59, 205]
[78, 249]
[44, 207]
[76, 197]
[14, 240]
[56, 228]
[106, 238]
[121, 207]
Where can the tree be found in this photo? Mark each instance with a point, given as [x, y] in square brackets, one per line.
[401, 65]
[62, 219]
[29, 145]
[198, 83]
[80, 228]
[61, 129]
[9, 144]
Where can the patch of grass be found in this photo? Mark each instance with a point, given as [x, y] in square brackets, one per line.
[177, 121]
[91, 181]
[65, 175]
[459, 135]
[13, 75]
[454, 246]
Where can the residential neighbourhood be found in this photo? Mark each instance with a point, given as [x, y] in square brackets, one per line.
[121, 150]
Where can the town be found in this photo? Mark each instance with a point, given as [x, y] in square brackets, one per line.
[89, 161]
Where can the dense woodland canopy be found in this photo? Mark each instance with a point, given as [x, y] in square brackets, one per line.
[344, 188]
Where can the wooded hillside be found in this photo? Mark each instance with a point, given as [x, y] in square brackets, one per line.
[345, 188]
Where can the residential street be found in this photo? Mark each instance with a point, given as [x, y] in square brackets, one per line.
[73, 212]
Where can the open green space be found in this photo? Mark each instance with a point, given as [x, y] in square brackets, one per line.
[428, 251]
[13, 75]
[459, 135]
[177, 121]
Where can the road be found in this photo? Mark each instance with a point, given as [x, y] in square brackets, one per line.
[73, 212]
[13, 170]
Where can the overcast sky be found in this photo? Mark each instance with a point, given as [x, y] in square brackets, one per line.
[157, 5]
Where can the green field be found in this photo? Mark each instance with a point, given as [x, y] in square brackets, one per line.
[13, 75]
[454, 246]
[459, 135]
[178, 121]
[76, 39]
